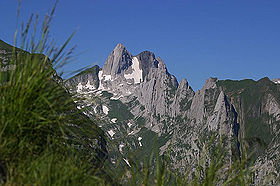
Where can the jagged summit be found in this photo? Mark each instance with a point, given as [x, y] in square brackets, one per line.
[210, 83]
[118, 60]
[121, 64]
[146, 56]
[119, 46]
[184, 84]
[121, 67]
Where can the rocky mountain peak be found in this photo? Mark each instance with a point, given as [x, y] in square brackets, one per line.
[184, 84]
[146, 56]
[210, 83]
[119, 46]
[147, 62]
[119, 60]
[161, 64]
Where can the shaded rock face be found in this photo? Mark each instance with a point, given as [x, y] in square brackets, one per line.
[158, 90]
[88, 79]
[118, 61]
[209, 114]
[202, 100]
[257, 105]
[153, 101]
[147, 61]
[183, 99]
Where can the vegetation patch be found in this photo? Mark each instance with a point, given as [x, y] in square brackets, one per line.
[119, 110]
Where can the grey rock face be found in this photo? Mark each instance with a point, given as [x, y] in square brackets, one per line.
[272, 107]
[157, 92]
[209, 112]
[202, 103]
[183, 99]
[87, 79]
[120, 59]
[147, 61]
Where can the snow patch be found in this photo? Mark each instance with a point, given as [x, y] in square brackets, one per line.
[277, 82]
[107, 77]
[103, 77]
[136, 71]
[129, 125]
[89, 86]
[114, 120]
[121, 147]
[99, 93]
[79, 87]
[105, 109]
[101, 87]
[111, 133]
[95, 110]
[100, 75]
[126, 161]
[139, 140]
[116, 98]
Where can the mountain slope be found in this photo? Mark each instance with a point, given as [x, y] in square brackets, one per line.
[139, 100]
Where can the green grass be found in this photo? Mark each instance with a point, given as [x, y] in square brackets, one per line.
[37, 144]
[52, 168]
[119, 110]
[106, 94]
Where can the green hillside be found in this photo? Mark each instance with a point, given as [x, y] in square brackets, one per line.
[5, 46]
[250, 97]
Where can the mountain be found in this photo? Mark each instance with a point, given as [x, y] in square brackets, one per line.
[139, 100]
[133, 107]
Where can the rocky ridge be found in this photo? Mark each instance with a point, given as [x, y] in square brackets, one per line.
[139, 99]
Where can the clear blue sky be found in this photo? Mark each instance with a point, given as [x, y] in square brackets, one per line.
[197, 39]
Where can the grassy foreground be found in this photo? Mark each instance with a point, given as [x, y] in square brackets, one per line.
[35, 115]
